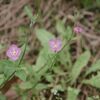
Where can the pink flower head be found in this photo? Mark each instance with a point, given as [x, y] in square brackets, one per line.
[78, 29]
[13, 52]
[55, 45]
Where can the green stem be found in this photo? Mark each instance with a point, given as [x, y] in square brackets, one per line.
[52, 61]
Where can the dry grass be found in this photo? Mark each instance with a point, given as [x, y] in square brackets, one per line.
[12, 16]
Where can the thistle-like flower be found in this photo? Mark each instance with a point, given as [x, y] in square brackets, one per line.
[55, 45]
[13, 52]
[78, 29]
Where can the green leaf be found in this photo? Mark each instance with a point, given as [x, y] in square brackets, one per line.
[43, 63]
[49, 77]
[89, 98]
[58, 70]
[21, 74]
[24, 97]
[65, 32]
[29, 13]
[69, 32]
[78, 66]
[9, 71]
[26, 85]
[41, 60]
[41, 86]
[7, 67]
[94, 81]
[98, 3]
[95, 67]
[2, 97]
[65, 54]
[2, 78]
[2, 64]
[72, 93]
[1, 81]
[44, 36]
[87, 3]
[60, 28]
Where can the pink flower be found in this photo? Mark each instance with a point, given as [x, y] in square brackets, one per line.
[78, 29]
[55, 45]
[13, 52]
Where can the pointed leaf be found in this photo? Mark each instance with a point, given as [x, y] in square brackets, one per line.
[44, 36]
[72, 93]
[90, 98]
[78, 66]
[65, 32]
[60, 28]
[95, 67]
[7, 67]
[94, 81]
[21, 74]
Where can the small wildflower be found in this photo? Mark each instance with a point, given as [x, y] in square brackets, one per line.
[54, 91]
[55, 45]
[78, 29]
[13, 52]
